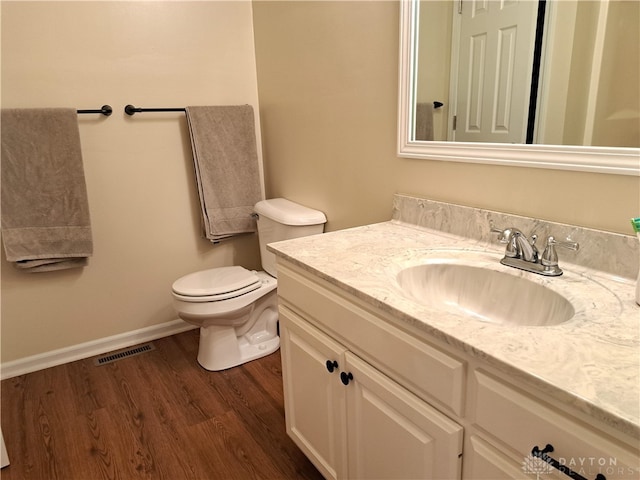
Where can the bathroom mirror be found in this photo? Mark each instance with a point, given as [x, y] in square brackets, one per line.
[603, 159]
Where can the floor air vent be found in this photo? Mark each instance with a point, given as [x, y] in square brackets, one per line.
[127, 352]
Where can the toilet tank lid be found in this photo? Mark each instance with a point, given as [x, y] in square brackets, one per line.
[289, 213]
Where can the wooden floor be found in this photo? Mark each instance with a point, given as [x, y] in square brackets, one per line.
[157, 415]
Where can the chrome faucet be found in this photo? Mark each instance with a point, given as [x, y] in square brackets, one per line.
[522, 252]
[519, 247]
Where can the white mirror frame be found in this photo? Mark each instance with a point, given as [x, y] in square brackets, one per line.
[620, 161]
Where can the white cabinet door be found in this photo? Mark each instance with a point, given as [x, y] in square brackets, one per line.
[393, 434]
[315, 407]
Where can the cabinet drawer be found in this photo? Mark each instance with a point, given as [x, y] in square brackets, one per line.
[421, 368]
[482, 461]
[521, 421]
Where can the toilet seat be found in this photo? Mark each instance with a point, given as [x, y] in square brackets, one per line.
[216, 284]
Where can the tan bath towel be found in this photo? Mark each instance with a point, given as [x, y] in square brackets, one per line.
[225, 156]
[424, 121]
[45, 211]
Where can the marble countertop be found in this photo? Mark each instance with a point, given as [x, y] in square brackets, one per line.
[591, 362]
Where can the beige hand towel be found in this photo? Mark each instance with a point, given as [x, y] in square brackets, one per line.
[424, 121]
[225, 156]
[45, 211]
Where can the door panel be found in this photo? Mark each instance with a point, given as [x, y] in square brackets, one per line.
[495, 68]
[393, 434]
[315, 405]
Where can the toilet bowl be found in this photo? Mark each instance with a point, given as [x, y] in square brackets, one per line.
[236, 325]
[235, 308]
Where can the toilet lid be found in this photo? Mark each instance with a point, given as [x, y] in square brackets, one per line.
[223, 281]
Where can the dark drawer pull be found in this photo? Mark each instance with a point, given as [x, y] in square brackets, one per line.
[542, 454]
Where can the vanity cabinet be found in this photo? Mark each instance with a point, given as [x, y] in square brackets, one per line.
[368, 397]
[349, 418]
[353, 421]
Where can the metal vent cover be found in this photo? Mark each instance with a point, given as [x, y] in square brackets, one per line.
[125, 353]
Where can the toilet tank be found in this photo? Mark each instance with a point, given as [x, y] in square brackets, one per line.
[282, 219]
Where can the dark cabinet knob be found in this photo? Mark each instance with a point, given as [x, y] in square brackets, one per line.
[346, 377]
[331, 365]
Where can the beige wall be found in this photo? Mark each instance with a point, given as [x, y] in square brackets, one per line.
[617, 116]
[143, 203]
[434, 62]
[327, 77]
[586, 26]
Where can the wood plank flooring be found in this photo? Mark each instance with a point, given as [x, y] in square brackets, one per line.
[158, 415]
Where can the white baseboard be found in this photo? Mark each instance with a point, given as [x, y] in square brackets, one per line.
[89, 349]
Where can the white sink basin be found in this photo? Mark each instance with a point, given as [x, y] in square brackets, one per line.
[485, 294]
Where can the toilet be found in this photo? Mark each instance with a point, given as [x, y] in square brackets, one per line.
[235, 308]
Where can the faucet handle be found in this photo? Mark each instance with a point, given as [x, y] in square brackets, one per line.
[508, 236]
[569, 245]
[549, 256]
[504, 234]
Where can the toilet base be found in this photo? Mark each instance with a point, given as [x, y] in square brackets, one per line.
[220, 348]
[241, 336]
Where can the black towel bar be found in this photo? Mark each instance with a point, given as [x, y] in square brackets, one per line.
[130, 110]
[106, 110]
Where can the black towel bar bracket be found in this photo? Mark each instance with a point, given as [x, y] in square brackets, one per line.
[437, 104]
[130, 110]
[106, 110]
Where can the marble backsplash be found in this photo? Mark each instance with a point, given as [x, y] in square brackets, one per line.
[613, 253]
